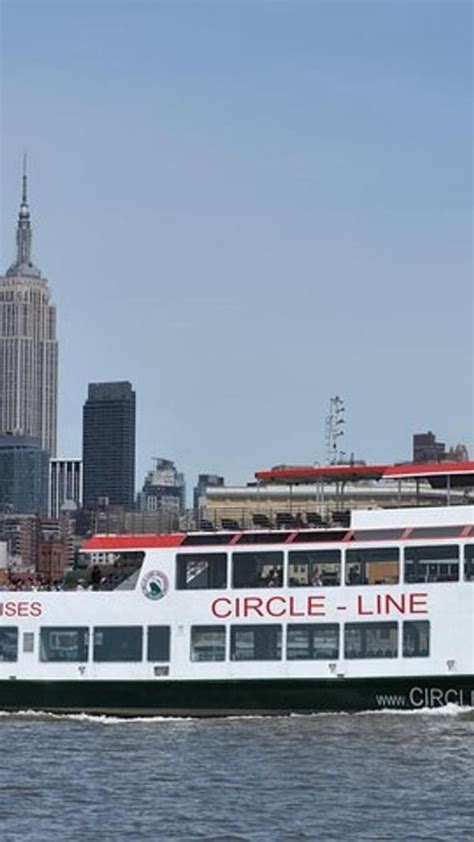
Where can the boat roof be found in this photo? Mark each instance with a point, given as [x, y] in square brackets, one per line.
[438, 474]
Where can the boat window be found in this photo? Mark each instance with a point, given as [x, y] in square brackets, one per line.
[257, 569]
[208, 643]
[117, 570]
[255, 643]
[374, 566]
[64, 643]
[377, 534]
[416, 638]
[313, 642]
[158, 643]
[371, 640]
[9, 643]
[319, 536]
[118, 643]
[263, 537]
[201, 571]
[432, 564]
[316, 568]
[436, 531]
[199, 539]
[469, 562]
[28, 641]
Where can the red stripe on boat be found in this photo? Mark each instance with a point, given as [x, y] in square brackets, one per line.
[131, 542]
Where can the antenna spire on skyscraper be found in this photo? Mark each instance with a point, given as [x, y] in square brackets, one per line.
[23, 265]
[24, 194]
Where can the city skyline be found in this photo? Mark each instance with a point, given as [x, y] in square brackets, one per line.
[243, 244]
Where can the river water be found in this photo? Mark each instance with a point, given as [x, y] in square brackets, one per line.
[374, 776]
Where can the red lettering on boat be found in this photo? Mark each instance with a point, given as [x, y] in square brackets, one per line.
[417, 603]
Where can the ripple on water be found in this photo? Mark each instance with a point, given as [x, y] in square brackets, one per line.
[380, 776]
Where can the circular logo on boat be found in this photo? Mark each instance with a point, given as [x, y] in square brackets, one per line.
[155, 584]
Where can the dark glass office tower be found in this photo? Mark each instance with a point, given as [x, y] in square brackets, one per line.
[108, 445]
[23, 475]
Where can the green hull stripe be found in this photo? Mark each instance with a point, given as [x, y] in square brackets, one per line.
[213, 698]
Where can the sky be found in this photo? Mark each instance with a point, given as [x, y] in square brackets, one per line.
[246, 207]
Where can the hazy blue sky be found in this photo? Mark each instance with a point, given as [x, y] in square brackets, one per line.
[245, 208]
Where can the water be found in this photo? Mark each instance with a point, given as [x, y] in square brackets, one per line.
[374, 776]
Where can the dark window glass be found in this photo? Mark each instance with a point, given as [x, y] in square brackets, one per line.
[469, 562]
[432, 564]
[310, 641]
[208, 643]
[207, 539]
[436, 531]
[372, 566]
[255, 643]
[118, 643]
[64, 643]
[120, 572]
[377, 534]
[416, 638]
[9, 643]
[319, 536]
[201, 571]
[263, 538]
[158, 643]
[371, 640]
[314, 568]
[257, 570]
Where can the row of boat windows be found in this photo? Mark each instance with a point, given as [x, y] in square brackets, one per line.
[324, 568]
[303, 641]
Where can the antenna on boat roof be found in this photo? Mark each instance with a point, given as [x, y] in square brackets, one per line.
[335, 421]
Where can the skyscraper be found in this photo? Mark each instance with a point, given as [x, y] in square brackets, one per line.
[23, 475]
[28, 345]
[108, 445]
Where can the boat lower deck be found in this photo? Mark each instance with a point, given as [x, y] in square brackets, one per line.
[236, 697]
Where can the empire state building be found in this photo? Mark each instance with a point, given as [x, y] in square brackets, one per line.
[28, 344]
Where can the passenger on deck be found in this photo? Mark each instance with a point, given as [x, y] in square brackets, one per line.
[316, 578]
[355, 575]
[96, 577]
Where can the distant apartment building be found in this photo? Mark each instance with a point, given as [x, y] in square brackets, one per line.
[20, 533]
[23, 475]
[34, 542]
[28, 344]
[164, 489]
[65, 485]
[427, 449]
[51, 556]
[117, 520]
[108, 445]
[204, 482]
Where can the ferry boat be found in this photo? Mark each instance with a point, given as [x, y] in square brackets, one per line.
[374, 615]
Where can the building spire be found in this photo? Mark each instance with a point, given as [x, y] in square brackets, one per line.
[24, 195]
[23, 265]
